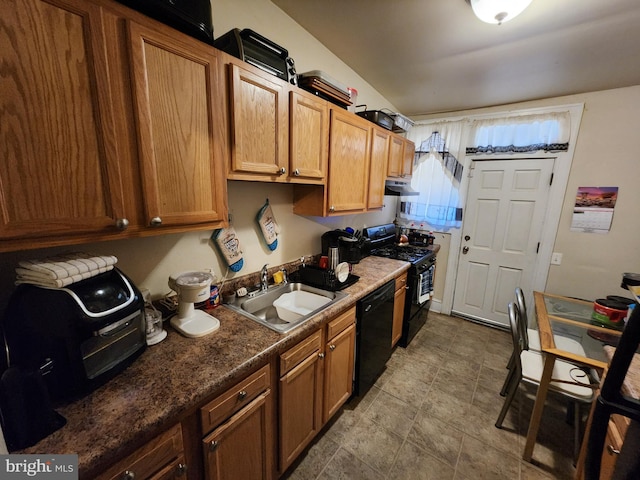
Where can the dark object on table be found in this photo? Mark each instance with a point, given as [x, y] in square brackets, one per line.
[27, 414]
[610, 401]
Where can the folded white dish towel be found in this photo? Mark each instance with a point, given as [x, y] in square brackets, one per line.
[63, 270]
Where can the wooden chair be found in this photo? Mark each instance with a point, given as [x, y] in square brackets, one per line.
[527, 368]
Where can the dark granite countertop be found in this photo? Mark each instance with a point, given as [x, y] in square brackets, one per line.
[631, 384]
[173, 378]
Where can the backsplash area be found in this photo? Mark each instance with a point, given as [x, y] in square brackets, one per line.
[149, 261]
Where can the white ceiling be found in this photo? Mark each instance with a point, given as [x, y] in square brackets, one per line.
[428, 56]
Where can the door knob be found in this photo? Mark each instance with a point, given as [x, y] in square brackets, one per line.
[465, 250]
[467, 238]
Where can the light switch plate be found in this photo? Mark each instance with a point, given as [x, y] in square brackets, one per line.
[556, 258]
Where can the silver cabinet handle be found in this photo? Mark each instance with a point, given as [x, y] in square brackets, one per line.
[332, 208]
[296, 172]
[122, 223]
[283, 171]
[128, 475]
[612, 451]
[321, 355]
[332, 347]
[181, 469]
[156, 221]
[242, 394]
[213, 445]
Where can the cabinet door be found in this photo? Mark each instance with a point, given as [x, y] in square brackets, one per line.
[349, 156]
[300, 407]
[378, 167]
[338, 378]
[308, 137]
[180, 127]
[396, 158]
[242, 447]
[398, 308]
[408, 151]
[259, 124]
[59, 172]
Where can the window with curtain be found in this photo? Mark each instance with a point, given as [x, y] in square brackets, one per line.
[436, 175]
[547, 132]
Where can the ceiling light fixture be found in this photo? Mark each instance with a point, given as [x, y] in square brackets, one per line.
[498, 11]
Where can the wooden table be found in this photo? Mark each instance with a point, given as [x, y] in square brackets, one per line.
[569, 317]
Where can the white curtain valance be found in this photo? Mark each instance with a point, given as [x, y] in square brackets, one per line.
[526, 133]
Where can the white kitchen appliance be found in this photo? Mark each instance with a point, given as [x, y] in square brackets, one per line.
[192, 288]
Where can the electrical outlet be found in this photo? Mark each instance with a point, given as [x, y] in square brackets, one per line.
[556, 258]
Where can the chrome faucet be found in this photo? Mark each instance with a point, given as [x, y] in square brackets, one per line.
[264, 278]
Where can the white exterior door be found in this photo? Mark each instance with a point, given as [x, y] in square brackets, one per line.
[503, 221]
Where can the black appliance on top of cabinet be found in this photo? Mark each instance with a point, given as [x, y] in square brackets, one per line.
[259, 51]
[374, 323]
[420, 276]
[192, 17]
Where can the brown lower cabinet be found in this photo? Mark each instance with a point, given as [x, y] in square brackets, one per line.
[315, 381]
[241, 443]
[160, 459]
[398, 308]
[238, 427]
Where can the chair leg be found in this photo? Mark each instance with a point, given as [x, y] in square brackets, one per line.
[507, 381]
[510, 362]
[512, 388]
[577, 421]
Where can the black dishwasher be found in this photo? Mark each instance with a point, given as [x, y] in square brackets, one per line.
[373, 336]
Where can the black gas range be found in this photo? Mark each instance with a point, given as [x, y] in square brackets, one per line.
[419, 278]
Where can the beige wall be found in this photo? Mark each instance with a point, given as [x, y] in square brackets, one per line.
[606, 154]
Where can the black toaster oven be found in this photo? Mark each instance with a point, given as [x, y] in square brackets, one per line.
[77, 337]
[192, 17]
[256, 50]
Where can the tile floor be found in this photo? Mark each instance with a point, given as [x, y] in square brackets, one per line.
[431, 415]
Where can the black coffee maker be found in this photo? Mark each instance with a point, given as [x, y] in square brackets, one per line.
[351, 248]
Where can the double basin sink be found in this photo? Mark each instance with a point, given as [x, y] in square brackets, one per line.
[285, 307]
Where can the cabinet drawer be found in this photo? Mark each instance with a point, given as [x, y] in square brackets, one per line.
[222, 407]
[337, 325]
[401, 281]
[302, 350]
[160, 458]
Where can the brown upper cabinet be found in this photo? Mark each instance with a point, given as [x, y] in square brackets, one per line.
[60, 169]
[401, 153]
[180, 134]
[380, 141]
[308, 137]
[259, 125]
[278, 133]
[114, 127]
[348, 179]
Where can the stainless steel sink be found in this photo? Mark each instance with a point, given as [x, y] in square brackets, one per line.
[260, 308]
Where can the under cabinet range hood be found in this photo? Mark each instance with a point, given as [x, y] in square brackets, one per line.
[399, 189]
